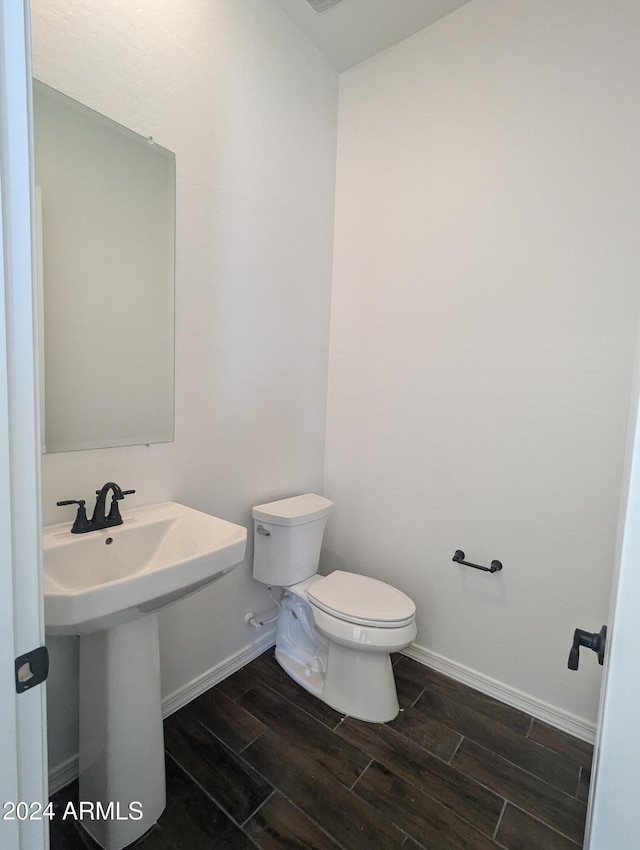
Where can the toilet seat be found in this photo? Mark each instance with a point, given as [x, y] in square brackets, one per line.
[362, 600]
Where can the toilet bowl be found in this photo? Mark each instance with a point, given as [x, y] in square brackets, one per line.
[334, 633]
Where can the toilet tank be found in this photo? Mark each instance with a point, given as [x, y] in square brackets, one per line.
[287, 538]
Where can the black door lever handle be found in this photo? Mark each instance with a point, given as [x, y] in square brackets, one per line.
[592, 640]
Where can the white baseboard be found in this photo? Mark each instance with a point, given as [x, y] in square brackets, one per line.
[183, 695]
[570, 723]
[62, 774]
[65, 772]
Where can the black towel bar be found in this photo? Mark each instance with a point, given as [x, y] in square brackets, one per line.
[458, 557]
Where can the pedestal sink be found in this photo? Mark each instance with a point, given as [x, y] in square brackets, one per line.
[107, 586]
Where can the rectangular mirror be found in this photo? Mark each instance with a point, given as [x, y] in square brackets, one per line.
[107, 270]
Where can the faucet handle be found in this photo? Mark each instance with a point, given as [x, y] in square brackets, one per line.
[81, 523]
[114, 510]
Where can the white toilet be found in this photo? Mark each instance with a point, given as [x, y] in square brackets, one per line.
[335, 633]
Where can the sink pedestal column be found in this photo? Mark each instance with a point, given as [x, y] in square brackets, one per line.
[122, 774]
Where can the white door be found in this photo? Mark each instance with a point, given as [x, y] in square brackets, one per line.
[23, 786]
[614, 806]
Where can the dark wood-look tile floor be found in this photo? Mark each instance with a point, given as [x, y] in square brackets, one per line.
[257, 762]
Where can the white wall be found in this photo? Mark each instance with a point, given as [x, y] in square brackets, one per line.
[484, 313]
[484, 310]
[249, 108]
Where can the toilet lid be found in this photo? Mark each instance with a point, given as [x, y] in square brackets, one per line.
[362, 600]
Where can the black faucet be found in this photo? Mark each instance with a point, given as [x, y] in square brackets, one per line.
[98, 520]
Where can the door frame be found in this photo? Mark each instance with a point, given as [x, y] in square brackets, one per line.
[23, 767]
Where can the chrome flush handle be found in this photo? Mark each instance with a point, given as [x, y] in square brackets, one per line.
[262, 530]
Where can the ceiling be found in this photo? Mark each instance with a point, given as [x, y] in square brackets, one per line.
[354, 30]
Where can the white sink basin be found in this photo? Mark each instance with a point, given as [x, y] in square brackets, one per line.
[161, 553]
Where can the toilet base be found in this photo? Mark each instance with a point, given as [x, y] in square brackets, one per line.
[311, 680]
[360, 684]
[345, 665]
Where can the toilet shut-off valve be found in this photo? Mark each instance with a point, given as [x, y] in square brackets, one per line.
[592, 640]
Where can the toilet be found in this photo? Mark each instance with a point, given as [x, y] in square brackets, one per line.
[335, 633]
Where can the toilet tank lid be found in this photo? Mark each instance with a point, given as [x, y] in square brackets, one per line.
[293, 511]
